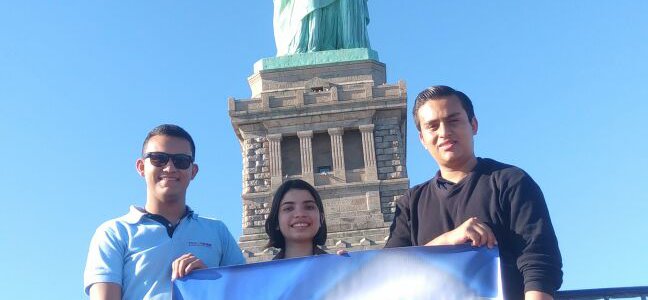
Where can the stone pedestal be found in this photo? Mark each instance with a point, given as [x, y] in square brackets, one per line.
[339, 126]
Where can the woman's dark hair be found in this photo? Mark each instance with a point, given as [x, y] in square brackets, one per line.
[277, 239]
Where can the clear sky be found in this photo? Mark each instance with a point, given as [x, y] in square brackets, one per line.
[560, 89]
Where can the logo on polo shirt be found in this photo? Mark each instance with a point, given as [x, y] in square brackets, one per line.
[199, 244]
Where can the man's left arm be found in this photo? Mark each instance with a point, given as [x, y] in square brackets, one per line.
[534, 240]
[232, 254]
[105, 262]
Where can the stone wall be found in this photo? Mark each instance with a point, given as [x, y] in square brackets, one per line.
[389, 195]
[255, 214]
[390, 148]
[256, 171]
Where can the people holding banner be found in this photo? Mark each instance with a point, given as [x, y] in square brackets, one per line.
[296, 222]
[134, 256]
[477, 200]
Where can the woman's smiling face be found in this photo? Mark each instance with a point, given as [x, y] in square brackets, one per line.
[299, 217]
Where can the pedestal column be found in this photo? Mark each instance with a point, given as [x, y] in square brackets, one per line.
[368, 150]
[306, 151]
[337, 150]
[274, 141]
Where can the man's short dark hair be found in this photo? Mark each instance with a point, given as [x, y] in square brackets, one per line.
[437, 92]
[171, 130]
[277, 239]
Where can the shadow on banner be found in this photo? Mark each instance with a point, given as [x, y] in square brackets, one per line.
[443, 272]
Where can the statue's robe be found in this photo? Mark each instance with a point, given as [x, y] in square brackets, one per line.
[315, 25]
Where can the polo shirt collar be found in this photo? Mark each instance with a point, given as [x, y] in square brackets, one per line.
[135, 214]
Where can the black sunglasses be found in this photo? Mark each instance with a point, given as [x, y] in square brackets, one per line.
[160, 159]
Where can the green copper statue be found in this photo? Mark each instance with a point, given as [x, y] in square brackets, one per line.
[315, 25]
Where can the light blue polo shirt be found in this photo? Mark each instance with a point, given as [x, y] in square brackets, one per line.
[136, 252]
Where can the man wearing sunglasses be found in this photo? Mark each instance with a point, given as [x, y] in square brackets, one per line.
[137, 255]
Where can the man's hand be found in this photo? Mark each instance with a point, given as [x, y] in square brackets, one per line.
[535, 295]
[473, 230]
[184, 264]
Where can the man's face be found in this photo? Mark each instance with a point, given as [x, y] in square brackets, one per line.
[166, 183]
[446, 132]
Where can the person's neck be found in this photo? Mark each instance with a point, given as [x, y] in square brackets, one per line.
[170, 210]
[299, 249]
[457, 173]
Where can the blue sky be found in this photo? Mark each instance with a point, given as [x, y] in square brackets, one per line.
[560, 89]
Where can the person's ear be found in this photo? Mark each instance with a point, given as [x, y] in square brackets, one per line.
[474, 125]
[194, 170]
[139, 166]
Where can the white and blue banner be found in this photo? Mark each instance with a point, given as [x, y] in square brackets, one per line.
[444, 272]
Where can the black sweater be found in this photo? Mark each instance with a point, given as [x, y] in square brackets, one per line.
[508, 201]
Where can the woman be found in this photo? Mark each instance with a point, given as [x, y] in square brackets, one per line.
[296, 222]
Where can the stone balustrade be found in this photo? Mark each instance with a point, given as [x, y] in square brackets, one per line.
[300, 97]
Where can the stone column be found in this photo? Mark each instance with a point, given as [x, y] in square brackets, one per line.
[275, 159]
[334, 94]
[337, 150]
[368, 149]
[306, 151]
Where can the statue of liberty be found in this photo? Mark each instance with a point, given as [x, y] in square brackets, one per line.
[316, 25]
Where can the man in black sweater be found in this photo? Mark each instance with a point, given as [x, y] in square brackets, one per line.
[477, 201]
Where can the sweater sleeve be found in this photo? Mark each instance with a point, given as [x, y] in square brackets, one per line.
[400, 229]
[535, 241]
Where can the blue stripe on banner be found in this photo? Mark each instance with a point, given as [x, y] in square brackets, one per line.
[443, 272]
